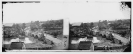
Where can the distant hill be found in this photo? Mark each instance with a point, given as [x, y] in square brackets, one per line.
[7, 24]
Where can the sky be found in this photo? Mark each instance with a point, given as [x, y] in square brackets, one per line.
[74, 11]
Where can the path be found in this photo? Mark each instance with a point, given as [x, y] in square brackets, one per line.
[59, 44]
[119, 37]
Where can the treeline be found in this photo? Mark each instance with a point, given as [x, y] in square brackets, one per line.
[14, 31]
[122, 27]
[47, 25]
[19, 29]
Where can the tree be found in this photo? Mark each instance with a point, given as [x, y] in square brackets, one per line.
[35, 25]
[103, 25]
[23, 26]
[6, 33]
[18, 29]
[91, 25]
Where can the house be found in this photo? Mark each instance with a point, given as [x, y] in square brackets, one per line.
[16, 45]
[85, 45]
